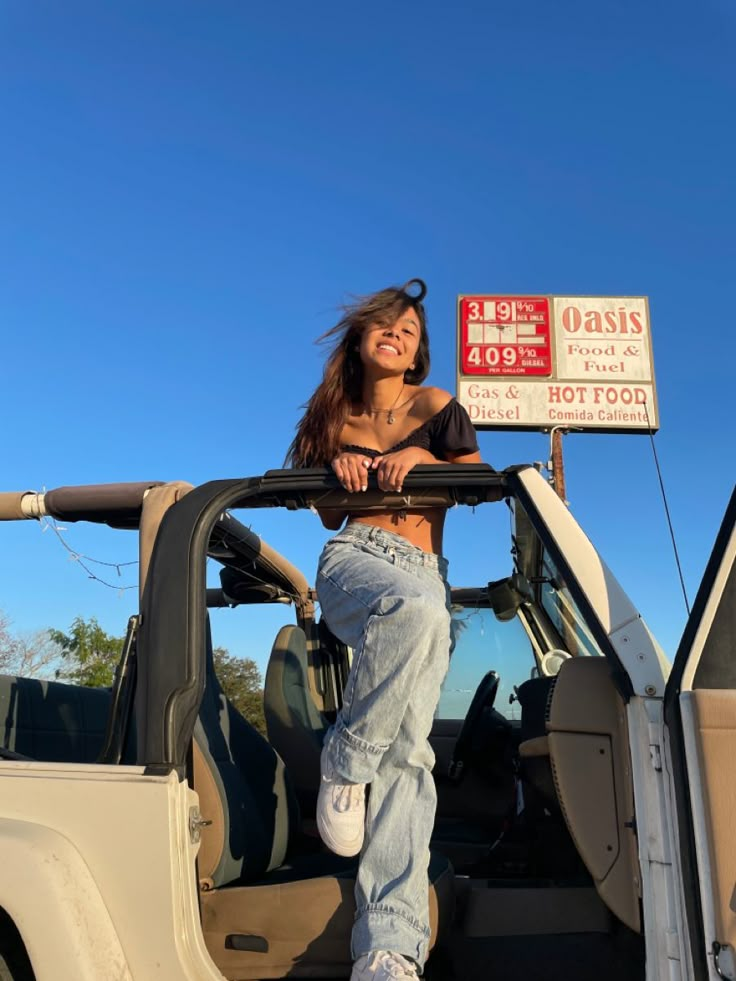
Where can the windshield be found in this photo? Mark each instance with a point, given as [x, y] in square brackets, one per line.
[484, 643]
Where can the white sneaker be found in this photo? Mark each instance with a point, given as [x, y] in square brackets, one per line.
[382, 965]
[340, 812]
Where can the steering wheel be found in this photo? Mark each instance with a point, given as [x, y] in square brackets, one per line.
[484, 697]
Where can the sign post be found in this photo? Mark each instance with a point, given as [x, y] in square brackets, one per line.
[555, 363]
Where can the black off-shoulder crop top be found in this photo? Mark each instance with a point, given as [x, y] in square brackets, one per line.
[447, 431]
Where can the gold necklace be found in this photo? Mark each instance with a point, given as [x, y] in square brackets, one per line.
[369, 410]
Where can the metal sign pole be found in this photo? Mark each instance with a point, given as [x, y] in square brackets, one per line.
[556, 466]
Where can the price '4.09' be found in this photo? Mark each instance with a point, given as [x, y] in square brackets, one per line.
[492, 355]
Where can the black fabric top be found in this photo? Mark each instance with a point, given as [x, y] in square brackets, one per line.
[447, 431]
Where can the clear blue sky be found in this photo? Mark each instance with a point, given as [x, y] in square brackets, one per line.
[189, 190]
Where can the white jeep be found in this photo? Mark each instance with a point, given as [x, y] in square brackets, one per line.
[585, 785]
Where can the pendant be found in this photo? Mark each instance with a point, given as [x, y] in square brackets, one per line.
[390, 419]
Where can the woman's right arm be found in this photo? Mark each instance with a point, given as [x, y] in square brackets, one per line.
[331, 518]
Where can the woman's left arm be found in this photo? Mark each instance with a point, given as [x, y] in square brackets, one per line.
[463, 457]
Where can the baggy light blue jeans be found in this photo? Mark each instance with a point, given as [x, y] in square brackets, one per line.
[390, 602]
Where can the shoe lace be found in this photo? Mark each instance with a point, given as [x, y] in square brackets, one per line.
[348, 796]
[397, 966]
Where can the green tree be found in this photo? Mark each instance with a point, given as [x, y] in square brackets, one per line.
[241, 681]
[90, 654]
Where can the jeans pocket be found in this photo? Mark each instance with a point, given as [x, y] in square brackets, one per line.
[332, 554]
[344, 613]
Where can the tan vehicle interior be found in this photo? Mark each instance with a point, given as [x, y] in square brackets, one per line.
[534, 871]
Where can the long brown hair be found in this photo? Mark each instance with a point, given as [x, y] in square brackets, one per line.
[317, 439]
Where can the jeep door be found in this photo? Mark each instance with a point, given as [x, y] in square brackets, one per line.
[700, 759]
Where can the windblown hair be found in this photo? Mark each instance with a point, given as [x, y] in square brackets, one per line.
[317, 439]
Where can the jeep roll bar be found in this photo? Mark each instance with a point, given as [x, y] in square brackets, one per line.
[171, 652]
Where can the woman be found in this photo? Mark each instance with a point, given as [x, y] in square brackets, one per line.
[383, 591]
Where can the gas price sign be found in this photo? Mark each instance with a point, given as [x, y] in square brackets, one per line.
[537, 362]
[505, 335]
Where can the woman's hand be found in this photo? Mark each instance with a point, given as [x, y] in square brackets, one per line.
[393, 467]
[351, 470]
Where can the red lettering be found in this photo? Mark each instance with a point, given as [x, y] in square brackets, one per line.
[620, 321]
[611, 322]
[622, 394]
[566, 393]
[571, 319]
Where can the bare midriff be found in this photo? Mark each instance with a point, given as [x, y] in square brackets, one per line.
[422, 528]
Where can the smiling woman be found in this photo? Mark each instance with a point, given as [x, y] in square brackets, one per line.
[371, 412]
[383, 590]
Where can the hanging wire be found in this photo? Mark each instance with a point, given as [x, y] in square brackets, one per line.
[84, 559]
[666, 509]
